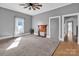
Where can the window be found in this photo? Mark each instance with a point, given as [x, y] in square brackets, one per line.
[19, 25]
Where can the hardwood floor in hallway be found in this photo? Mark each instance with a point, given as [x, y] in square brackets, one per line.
[67, 49]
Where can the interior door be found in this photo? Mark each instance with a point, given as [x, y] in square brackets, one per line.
[55, 29]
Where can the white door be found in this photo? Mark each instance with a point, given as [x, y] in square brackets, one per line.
[54, 28]
[19, 26]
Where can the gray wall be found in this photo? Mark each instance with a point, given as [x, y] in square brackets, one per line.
[7, 21]
[44, 17]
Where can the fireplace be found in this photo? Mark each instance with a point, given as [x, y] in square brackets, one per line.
[42, 30]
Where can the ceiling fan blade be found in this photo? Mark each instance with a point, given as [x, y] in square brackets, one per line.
[33, 8]
[25, 7]
[29, 8]
[37, 7]
[35, 3]
[25, 4]
[22, 4]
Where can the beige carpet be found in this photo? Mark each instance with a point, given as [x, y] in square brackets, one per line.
[29, 45]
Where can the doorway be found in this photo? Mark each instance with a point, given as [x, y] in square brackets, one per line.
[70, 28]
[19, 26]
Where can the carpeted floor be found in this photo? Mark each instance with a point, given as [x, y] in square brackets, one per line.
[29, 45]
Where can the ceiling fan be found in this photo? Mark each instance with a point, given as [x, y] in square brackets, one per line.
[33, 6]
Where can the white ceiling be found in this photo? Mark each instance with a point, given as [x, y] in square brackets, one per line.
[46, 7]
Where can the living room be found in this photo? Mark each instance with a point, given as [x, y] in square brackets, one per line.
[28, 30]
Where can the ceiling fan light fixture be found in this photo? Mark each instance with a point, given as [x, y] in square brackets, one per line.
[31, 6]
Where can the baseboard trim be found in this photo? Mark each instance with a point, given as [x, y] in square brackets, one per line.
[35, 33]
[61, 40]
[48, 36]
[78, 42]
[5, 37]
[21, 34]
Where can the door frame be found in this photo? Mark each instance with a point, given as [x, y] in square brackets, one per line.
[67, 15]
[50, 18]
[15, 24]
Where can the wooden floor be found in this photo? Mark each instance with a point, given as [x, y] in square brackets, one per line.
[67, 49]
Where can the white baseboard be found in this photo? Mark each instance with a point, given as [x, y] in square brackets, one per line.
[21, 34]
[25, 33]
[35, 33]
[48, 36]
[78, 43]
[61, 39]
[5, 37]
